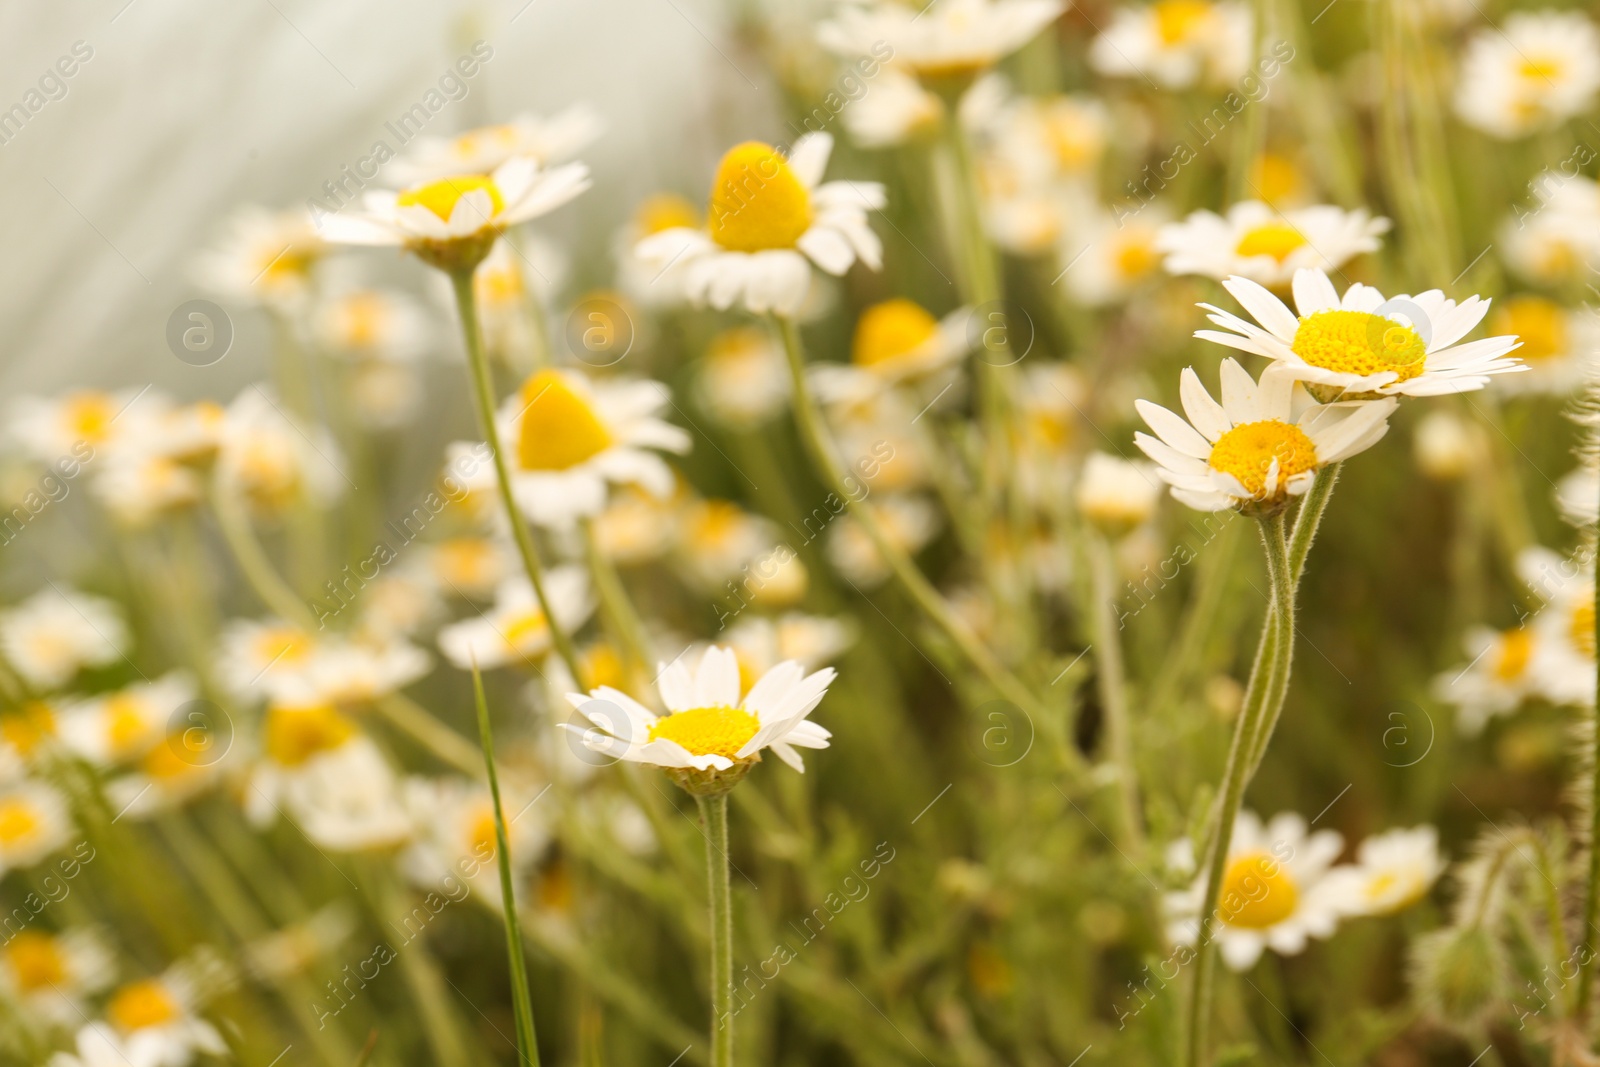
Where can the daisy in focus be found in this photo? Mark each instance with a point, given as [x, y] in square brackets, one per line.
[1533, 73]
[952, 41]
[1273, 893]
[1254, 241]
[769, 220]
[711, 736]
[1176, 43]
[1257, 448]
[1364, 346]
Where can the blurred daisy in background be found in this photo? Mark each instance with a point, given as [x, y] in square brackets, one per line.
[909, 522]
[1106, 258]
[544, 139]
[1177, 43]
[1554, 240]
[52, 635]
[638, 526]
[1393, 870]
[50, 976]
[1533, 72]
[268, 258]
[1363, 345]
[122, 725]
[1273, 894]
[454, 838]
[1259, 446]
[895, 341]
[1254, 241]
[1116, 494]
[34, 822]
[771, 218]
[155, 1022]
[742, 381]
[273, 461]
[812, 641]
[951, 41]
[515, 630]
[1560, 345]
[897, 110]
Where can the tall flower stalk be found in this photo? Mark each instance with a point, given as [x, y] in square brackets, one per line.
[714, 813]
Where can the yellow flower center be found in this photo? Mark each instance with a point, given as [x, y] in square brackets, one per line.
[176, 757]
[1257, 892]
[1356, 342]
[1541, 68]
[1179, 20]
[527, 630]
[294, 735]
[127, 724]
[559, 428]
[89, 416]
[141, 1004]
[36, 961]
[1581, 627]
[362, 317]
[1136, 257]
[1513, 655]
[19, 820]
[27, 728]
[665, 211]
[469, 144]
[708, 731]
[1540, 323]
[602, 665]
[482, 835]
[1276, 239]
[1073, 137]
[440, 197]
[756, 201]
[1248, 450]
[714, 524]
[1276, 178]
[890, 331]
[282, 644]
[466, 561]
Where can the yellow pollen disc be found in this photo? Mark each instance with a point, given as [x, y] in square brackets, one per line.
[559, 428]
[294, 735]
[141, 1004]
[1511, 659]
[1247, 452]
[708, 731]
[1541, 68]
[470, 143]
[756, 201]
[19, 820]
[665, 211]
[1276, 239]
[440, 197]
[1355, 342]
[1136, 258]
[179, 755]
[1276, 178]
[1581, 627]
[465, 561]
[1074, 140]
[126, 723]
[1541, 325]
[89, 415]
[36, 961]
[714, 523]
[1178, 20]
[1257, 892]
[891, 330]
[26, 729]
[362, 317]
[525, 630]
[282, 644]
[602, 666]
[482, 834]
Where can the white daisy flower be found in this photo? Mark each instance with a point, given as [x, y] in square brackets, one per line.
[637, 527]
[371, 324]
[546, 140]
[34, 822]
[1052, 139]
[771, 218]
[717, 539]
[454, 834]
[567, 438]
[515, 629]
[353, 674]
[1259, 446]
[1578, 496]
[55, 633]
[1565, 624]
[1446, 446]
[1271, 895]
[1533, 73]
[1393, 870]
[347, 799]
[177, 769]
[470, 567]
[1557, 239]
[948, 40]
[909, 522]
[155, 1022]
[1117, 494]
[1560, 346]
[1254, 241]
[257, 658]
[138, 485]
[398, 604]
[1177, 43]
[292, 738]
[710, 737]
[122, 726]
[82, 425]
[643, 278]
[1364, 345]
[50, 976]
[812, 641]
[268, 258]
[271, 460]
[1105, 259]
[742, 381]
[897, 109]
[1503, 671]
[895, 341]
[437, 219]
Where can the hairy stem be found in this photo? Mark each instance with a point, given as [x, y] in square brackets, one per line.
[714, 811]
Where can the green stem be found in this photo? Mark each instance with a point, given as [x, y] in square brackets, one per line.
[1113, 684]
[714, 812]
[527, 1042]
[252, 558]
[1268, 681]
[809, 420]
[483, 396]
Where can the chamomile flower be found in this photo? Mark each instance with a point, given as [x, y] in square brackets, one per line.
[138, 485]
[256, 658]
[1106, 258]
[55, 633]
[1560, 345]
[371, 324]
[895, 341]
[271, 460]
[1557, 239]
[50, 976]
[1117, 494]
[452, 222]
[710, 737]
[1053, 138]
[353, 673]
[769, 220]
[292, 737]
[1502, 672]
[181, 766]
[1256, 242]
[812, 641]
[268, 258]
[347, 799]
[897, 110]
[34, 822]
[454, 839]
[1578, 496]
[1393, 870]
[567, 439]
[1565, 623]
[645, 278]
[742, 381]
[122, 726]
[953, 40]
[1176, 43]
[717, 539]
[909, 523]
[1533, 73]
[1272, 894]
[470, 567]
[545, 140]
[637, 526]
[1258, 447]
[1446, 446]
[515, 629]
[1363, 345]
[155, 1021]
